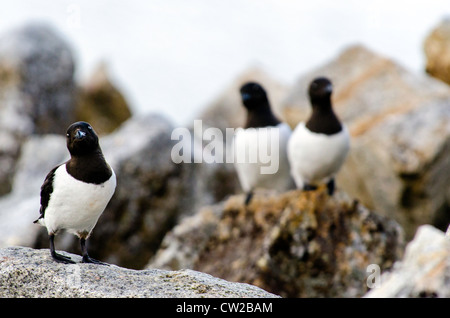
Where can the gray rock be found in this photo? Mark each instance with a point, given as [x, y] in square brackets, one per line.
[26, 272]
[399, 122]
[36, 90]
[183, 245]
[40, 68]
[42, 64]
[424, 270]
[209, 183]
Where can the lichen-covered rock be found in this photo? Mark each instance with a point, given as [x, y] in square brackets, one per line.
[100, 103]
[399, 160]
[437, 51]
[26, 272]
[297, 244]
[424, 270]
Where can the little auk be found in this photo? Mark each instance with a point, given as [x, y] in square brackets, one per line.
[318, 148]
[261, 131]
[75, 193]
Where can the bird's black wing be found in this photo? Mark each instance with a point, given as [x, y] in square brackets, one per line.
[46, 191]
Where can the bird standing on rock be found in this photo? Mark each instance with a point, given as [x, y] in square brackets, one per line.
[317, 149]
[261, 131]
[75, 193]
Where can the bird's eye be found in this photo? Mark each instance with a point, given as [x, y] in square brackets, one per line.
[68, 135]
[89, 127]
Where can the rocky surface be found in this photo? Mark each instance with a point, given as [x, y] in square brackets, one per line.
[437, 51]
[400, 151]
[26, 272]
[100, 103]
[37, 90]
[295, 244]
[424, 270]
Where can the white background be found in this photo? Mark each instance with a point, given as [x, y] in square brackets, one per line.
[176, 56]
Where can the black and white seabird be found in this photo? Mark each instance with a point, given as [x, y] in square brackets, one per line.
[75, 193]
[317, 149]
[259, 130]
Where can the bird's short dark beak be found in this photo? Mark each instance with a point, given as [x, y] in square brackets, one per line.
[329, 88]
[80, 134]
[245, 96]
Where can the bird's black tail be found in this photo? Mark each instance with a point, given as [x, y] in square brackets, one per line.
[249, 197]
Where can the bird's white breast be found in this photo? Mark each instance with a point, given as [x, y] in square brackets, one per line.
[315, 157]
[254, 143]
[75, 205]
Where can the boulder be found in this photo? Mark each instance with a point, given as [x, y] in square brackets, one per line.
[400, 150]
[101, 103]
[437, 51]
[37, 67]
[37, 90]
[296, 244]
[183, 245]
[424, 270]
[209, 183]
[31, 273]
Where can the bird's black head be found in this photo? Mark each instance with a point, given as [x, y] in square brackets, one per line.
[320, 89]
[81, 139]
[253, 95]
[323, 119]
